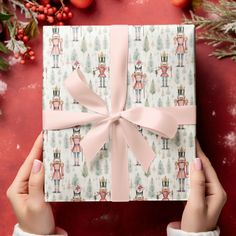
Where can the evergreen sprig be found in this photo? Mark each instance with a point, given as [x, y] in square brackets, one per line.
[217, 27]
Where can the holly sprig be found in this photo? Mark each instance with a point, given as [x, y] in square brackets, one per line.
[16, 34]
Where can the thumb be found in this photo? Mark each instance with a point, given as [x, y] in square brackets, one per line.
[36, 180]
[197, 184]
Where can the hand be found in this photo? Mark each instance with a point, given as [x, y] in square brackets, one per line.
[207, 197]
[27, 197]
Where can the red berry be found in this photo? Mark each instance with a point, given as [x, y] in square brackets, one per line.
[60, 23]
[66, 9]
[181, 3]
[50, 19]
[54, 9]
[33, 8]
[70, 14]
[31, 52]
[81, 3]
[22, 62]
[45, 10]
[50, 11]
[41, 17]
[32, 57]
[48, 5]
[25, 39]
[28, 5]
[41, 8]
[20, 31]
[64, 16]
[20, 36]
[59, 16]
[16, 55]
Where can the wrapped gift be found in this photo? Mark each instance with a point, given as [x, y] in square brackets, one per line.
[119, 112]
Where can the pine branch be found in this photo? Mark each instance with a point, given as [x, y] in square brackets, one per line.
[220, 54]
[218, 29]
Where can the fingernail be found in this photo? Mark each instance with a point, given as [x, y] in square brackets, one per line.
[198, 163]
[36, 166]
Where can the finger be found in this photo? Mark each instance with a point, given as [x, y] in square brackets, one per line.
[214, 189]
[197, 185]
[35, 153]
[211, 176]
[36, 181]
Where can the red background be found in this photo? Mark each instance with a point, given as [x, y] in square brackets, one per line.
[216, 100]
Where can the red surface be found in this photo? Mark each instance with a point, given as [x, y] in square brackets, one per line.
[216, 98]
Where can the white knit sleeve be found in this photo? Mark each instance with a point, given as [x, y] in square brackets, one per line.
[173, 229]
[19, 232]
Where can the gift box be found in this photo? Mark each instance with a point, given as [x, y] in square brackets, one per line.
[119, 112]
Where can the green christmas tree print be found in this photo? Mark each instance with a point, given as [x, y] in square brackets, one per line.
[146, 46]
[136, 55]
[159, 43]
[97, 45]
[83, 47]
[137, 180]
[85, 170]
[89, 191]
[88, 67]
[151, 191]
[150, 63]
[75, 180]
[168, 168]
[152, 88]
[160, 168]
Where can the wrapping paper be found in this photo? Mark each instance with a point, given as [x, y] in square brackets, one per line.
[161, 71]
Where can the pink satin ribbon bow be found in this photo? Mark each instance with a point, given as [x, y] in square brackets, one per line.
[120, 125]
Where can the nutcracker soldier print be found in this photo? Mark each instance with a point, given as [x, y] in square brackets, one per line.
[75, 142]
[103, 193]
[101, 68]
[75, 33]
[182, 169]
[137, 29]
[139, 193]
[181, 41]
[181, 100]
[165, 143]
[164, 68]
[56, 42]
[56, 103]
[165, 192]
[57, 170]
[139, 79]
[77, 194]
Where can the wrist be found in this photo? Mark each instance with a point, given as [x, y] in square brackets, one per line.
[37, 231]
[18, 231]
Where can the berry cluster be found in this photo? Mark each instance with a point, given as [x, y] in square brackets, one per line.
[50, 14]
[28, 55]
[20, 35]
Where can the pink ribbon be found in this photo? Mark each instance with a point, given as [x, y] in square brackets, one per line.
[119, 125]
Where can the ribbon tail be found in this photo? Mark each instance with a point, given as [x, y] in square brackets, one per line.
[138, 145]
[120, 174]
[94, 140]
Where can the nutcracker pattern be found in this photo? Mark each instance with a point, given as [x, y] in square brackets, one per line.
[139, 79]
[165, 192]
[76, 148]
[160, 74]
[164, 68]
[57, 170]
[56, 42]
[181, 41]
